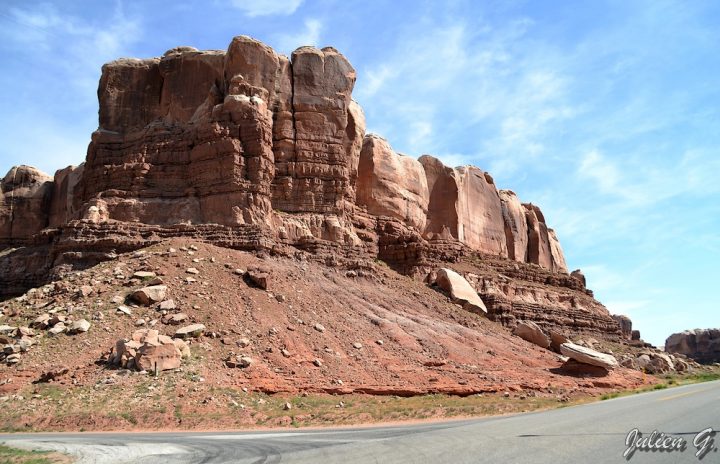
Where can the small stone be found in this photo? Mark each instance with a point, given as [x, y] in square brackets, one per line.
[79, 326]
[380, 342]
[117, 299]
[192, 270]
[194, 330]
[140, 323]
[280, 298]
[167, 305]
[57, 329]
[243, 343]
[285, 353]
[142, 275]
[357, 345]
[239, 272]
[287, 406]
[319, 327]
[317, 362]
[123, 310]
[85, 291]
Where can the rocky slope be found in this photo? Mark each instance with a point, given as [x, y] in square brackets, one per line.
[313, 328]
[250, 150]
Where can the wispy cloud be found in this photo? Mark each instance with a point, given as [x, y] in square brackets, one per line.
[253, 8]
[473, 81]
[308, 35]
[69, 44]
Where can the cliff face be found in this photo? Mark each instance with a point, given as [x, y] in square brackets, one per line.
[253, 150]
[702, 345]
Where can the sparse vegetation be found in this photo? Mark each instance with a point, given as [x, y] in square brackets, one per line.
[10, 455]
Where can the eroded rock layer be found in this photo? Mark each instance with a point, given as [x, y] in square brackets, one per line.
[252, 150]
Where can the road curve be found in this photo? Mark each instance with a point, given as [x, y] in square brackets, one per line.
[594, 432]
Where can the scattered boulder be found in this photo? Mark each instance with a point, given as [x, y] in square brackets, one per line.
[148, 350]
[588, 356]
[161, 357]
[79, 326]
[240, 361]
[174, 319]
[124, 310]
[530, 331]
[167, 305]
[57, 329]
[258, 277]
[557, 339]
[149, 295]
[460, 290]
[190, 331]
[660, 363]
[142, 275]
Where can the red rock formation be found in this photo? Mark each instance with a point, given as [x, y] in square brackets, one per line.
[25, 195]
[390, 184]
[253, 150]
[516, 228]
[465, 201]
[702, 345]
[625, 325]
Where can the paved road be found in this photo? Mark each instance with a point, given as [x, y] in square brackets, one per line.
[590, 433]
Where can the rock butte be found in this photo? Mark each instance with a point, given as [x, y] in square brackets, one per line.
[252, 150]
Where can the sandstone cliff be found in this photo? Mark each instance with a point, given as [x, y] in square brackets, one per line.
[702, 345]
[252, 150]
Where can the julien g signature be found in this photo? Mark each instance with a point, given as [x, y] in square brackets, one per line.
[704, 443]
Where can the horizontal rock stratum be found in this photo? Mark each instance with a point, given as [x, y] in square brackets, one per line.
[239, 137]
[251, 150]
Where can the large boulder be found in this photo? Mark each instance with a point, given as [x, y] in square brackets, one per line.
[148, 350]
[460, 290]
[702, 345]
[150, 295]
[530, 331]
[588, 356]
[390, 184]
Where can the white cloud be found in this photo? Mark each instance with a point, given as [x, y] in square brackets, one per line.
[640, 181]
[253, 8]
[470, 80]
[70, 45]
[310, 35]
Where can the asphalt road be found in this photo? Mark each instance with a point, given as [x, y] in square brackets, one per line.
[593, 433]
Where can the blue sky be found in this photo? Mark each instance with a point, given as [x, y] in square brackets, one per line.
[604, 113]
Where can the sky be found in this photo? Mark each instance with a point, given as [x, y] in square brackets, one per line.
[604, 113]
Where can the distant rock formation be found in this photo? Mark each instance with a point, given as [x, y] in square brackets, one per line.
[702, 345]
